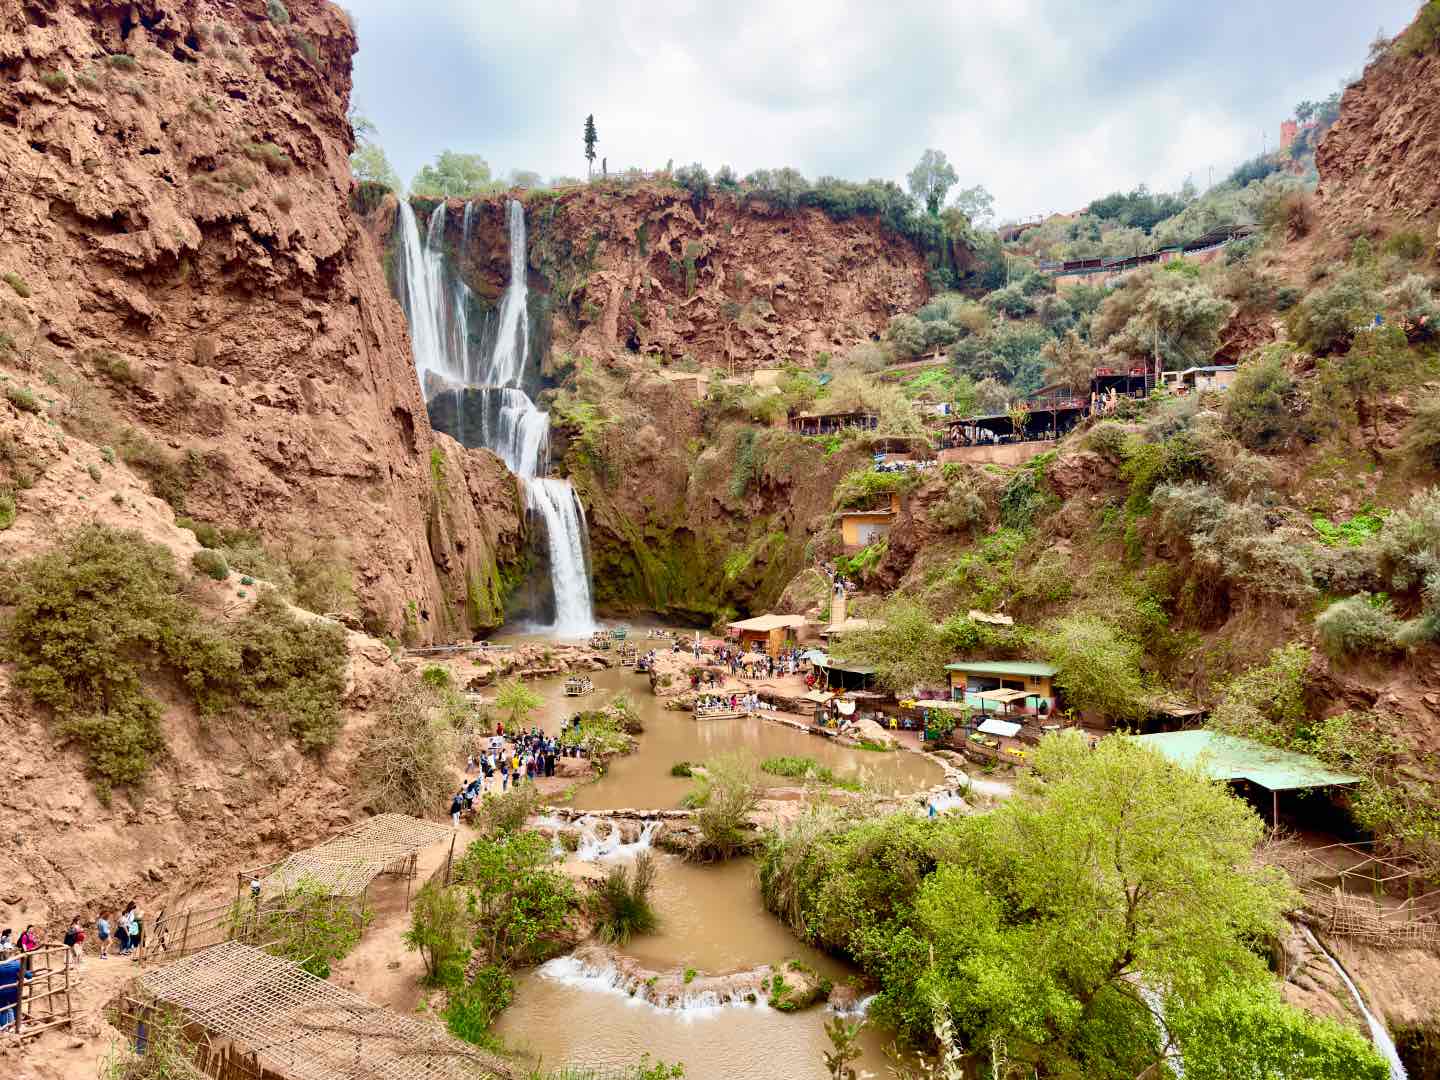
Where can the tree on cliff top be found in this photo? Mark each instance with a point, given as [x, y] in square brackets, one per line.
[931, 178]
[368, 163]
[454, 176]
[590, 140]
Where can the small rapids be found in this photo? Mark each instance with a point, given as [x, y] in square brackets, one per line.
[599, 844]
[703, 997]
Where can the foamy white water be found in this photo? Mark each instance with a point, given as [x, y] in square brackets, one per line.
[508, 421]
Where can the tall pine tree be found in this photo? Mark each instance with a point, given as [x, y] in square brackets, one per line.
[590, 140]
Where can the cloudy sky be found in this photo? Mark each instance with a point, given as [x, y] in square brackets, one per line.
[1048, 103]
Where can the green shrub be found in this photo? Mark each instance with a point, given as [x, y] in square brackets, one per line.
[1423, 34]
[1268, 702]
[504, 814]
[474, 1007]
[1260, 405]
[22, 398]
[7, 510]
[518, 902]
[211, 564]
[682, 769]
[1359, 625]
[122, 62]
[860, 488]
[1405, 244]
[437, 678]
[1327, 319]
[289, 670]
[732, 791]
[314, 928]
[621, 903]
[90, 618]
[1352, 532]
[806, 768]
[269, 155]
[277, 13]
[1422, 436]
[1099, 667]
[110, 364]
[439, 930]
[55, 80]
[208, 535]
[94, 471]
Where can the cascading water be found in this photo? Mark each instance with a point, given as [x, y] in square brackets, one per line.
[1378, 1033]
[508, 421]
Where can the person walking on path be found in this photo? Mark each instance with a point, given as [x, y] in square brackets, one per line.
[75, 941]
[456, 805]
[102, 933]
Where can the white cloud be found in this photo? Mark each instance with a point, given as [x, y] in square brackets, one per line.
[1049, 103]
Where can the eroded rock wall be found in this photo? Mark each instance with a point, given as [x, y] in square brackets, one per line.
[730, 282]
[1380, 162]
[175, 204]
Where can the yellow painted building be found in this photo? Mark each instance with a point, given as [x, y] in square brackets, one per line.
[971, 678]
[861, 528]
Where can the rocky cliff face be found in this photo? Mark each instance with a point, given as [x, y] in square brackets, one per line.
[1381, 159]
[186, 277]
[730, 283]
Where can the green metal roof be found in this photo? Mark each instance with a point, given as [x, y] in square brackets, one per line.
[1228, 757]
[1005, 667]
[853, 669]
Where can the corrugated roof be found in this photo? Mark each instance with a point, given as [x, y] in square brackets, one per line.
[1228, 757]
[1004, 667]
[853, 669]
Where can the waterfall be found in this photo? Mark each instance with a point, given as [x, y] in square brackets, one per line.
[437, 310]
[556, 502]
[512, 341]
[1378, 1034]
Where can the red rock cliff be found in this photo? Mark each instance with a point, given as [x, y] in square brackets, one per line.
[728, 281]
[1381, 159]
[174, 204]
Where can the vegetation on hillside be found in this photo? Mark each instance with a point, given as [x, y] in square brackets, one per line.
[1037, 927]
[94, 618]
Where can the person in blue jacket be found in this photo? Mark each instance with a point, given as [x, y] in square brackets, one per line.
[10, 990]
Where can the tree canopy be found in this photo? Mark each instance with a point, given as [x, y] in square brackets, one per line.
[1045, 928]
[931, 178]
[454, 176]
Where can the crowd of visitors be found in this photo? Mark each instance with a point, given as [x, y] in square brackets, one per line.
[526, 756]
[128, 930]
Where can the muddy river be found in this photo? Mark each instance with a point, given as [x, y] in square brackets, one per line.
[711, 917]
[642, 780]
[711, 920]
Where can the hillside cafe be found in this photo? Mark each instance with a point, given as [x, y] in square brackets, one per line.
[1250, 767]
[1009, 687]
[766, 633]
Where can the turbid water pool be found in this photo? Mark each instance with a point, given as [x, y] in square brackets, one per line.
[643, 780]
[712, 920]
